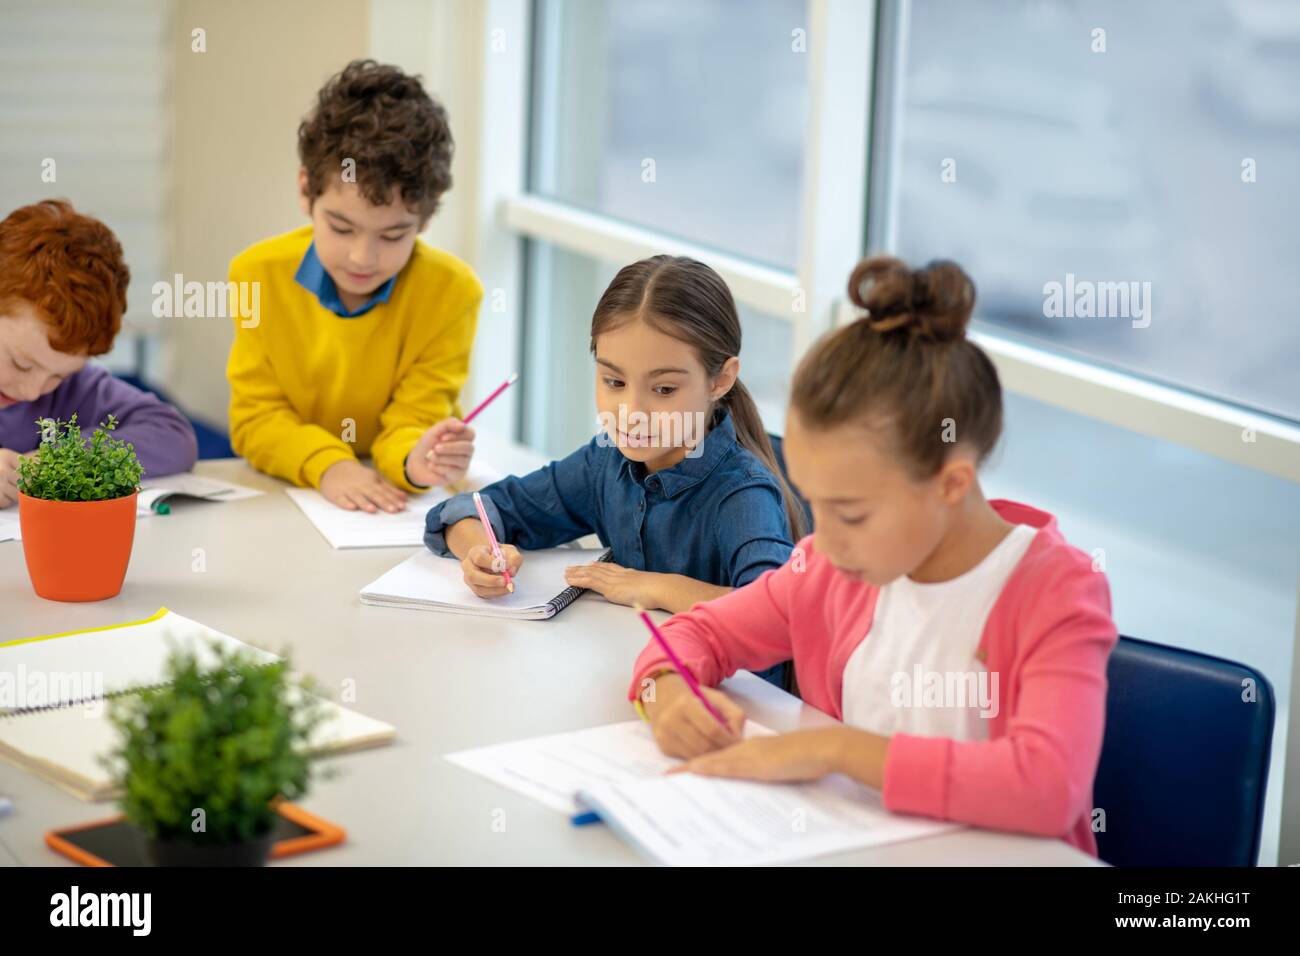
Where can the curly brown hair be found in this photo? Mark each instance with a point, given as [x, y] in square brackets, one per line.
[395, 132]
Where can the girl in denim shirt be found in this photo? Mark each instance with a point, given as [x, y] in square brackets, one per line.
[681, 481]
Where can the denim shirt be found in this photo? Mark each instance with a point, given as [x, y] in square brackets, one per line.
[718, 517]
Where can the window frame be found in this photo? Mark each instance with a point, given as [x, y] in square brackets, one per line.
[839, 221]
[840, 206]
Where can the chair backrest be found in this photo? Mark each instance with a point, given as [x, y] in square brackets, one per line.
[214, 442]
[1184, 764]
[778, 447]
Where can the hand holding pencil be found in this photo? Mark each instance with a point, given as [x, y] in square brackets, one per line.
[688, 720]
[442, 454]
[489, 568]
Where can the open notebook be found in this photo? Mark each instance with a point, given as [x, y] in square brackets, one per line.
[382, 529]
[156, 497]
[431, 583]
[156, 494]
[618, 772]
[53, 720]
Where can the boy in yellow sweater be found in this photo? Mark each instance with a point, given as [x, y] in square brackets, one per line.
[361, 344]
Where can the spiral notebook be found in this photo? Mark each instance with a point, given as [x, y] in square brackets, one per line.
[427, 582]
[53, 720]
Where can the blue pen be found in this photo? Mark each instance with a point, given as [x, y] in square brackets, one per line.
[583, 819]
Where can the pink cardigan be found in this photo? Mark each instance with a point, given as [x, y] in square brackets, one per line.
[1048, 635]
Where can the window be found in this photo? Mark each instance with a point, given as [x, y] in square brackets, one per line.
[683, 116]
[85, 118]
[1141, 155]
[1111, 167]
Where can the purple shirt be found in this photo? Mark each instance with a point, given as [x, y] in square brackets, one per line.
[163, 438]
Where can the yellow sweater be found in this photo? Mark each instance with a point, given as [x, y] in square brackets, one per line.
[303, 379]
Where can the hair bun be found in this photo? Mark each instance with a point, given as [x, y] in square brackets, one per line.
[934, 302]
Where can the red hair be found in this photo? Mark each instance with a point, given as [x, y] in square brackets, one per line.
[70, 268]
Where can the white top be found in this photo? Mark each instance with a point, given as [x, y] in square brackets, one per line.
[915, 671]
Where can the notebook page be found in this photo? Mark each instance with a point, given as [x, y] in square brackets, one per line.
[192, 486]
[381, 529]
[425, 579]
[688, 820]
[553, 769]
[62, 670]
[363, 529]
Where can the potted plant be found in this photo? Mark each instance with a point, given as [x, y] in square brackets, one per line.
[203, 759]
[76, 509]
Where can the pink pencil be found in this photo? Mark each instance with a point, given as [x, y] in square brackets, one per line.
[686, 675]
[514, 377]
[492, 540]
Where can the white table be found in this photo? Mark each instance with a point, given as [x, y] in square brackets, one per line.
[446, 682]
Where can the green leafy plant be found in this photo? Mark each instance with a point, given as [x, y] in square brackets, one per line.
[68, 468]
[227, 740]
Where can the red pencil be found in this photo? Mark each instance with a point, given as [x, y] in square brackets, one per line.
[686, 675]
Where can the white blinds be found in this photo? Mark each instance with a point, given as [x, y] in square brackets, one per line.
[85, 83]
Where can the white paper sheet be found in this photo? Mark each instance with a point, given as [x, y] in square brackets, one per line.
[683, 819]
[688, 820]
[553, 769]
[381, 529]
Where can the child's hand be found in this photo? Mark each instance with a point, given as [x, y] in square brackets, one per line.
[483, 571]
[8, 476]
[442, 454]
[352, 486]
[618, 585]
[681, 725]
[780, 758]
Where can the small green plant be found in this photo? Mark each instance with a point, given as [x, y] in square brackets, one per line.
[202, 758]
[67, 468]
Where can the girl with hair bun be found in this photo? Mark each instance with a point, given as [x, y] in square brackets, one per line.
[961, 640]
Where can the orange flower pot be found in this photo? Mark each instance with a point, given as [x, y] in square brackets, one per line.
[77, 550]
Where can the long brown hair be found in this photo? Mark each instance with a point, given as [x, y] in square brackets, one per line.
[687, 300]
[906, 368]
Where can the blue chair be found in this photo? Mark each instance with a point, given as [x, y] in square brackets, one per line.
[778, 447]
[1184, 763]
[213, 441]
